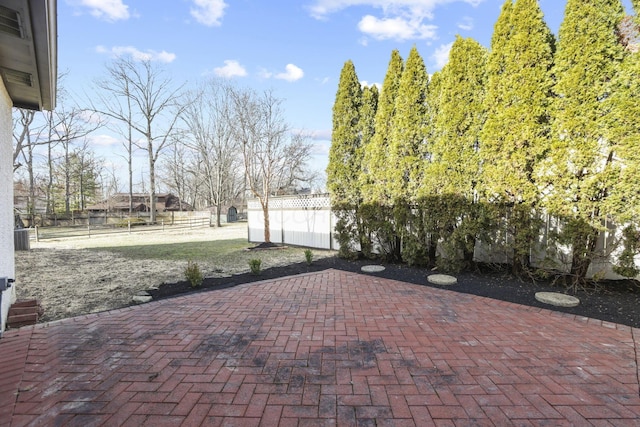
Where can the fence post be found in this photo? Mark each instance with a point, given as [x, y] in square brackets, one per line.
[89, 230]
[129, 225]
[330, 228]
[37, 235]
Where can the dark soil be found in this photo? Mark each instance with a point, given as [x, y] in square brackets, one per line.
[612, 301]
[266, 245]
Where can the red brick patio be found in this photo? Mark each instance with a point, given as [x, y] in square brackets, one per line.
[328, 348]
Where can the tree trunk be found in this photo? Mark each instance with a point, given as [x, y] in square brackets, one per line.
[130, 146]
[267, 231]
[81, 178]
[130, 160]
[152, 182]
[218, 213]
[32, 186]
[522, 236]
[50, 198]
[217, 194]
[583, 248]
[67, 179]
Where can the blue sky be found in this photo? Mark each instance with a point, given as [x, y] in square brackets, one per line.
[294, 47]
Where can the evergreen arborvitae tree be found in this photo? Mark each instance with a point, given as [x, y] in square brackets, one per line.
[374, 184]
[497, 60]
[434, 99]
[345, 158]
[408, 132]
[368, 110]
[345, 154]
[406, 146]
[625, 198]
[516, 132]
[626, 126]
[455, 164]
[452, 174]
[367, 124]
[582, 172]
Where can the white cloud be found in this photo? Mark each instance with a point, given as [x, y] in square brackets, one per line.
[103, 140]
[396, 28]
[320, 135]
[400, 19]
[208, 12]
[365, 83]
[90, 117]
[264, 73]
[321, 148]
[138, 55]
[466, 24]
[322, 8]
[109, 10]
[441, 55]
[230, 69]
[291, 74]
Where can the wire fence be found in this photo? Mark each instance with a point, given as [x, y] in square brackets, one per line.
[128, 226]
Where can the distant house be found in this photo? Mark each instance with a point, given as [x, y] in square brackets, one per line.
[22, 198]
[119, 203]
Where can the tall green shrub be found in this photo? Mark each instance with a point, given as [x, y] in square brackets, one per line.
[451, 177]
[407, 140]
[625, 126]
[373, 180]
[583, 171]
[345, 154]
[366, 126]
[345, 158]
[515, 137]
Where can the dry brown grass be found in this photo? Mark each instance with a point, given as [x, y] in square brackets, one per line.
[84, 275]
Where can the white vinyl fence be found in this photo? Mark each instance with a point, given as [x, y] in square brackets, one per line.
[294, 220]
[307, 221]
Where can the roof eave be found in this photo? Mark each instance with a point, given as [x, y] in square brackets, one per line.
[45, 34]
[29, 53]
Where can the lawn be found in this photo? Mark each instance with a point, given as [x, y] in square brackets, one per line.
[232, 254]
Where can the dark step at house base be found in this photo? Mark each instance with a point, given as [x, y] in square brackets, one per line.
[24, 313]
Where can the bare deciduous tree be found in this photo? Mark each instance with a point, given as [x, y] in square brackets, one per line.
[23, 146]
[21, 134]
[208, 118]
[53, 128]
[70, 126]
[138, 95]
[274, 157]
[179, 176]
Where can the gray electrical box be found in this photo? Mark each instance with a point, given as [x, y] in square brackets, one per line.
[5, 283]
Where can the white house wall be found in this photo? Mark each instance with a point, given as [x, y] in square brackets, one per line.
[7, 262]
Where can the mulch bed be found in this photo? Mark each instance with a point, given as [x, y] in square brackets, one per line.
[613, 301]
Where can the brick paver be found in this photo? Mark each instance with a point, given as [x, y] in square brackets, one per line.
[328, 348]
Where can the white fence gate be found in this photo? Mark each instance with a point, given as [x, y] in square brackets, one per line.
[294, 220]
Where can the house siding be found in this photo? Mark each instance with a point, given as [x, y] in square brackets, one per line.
[7, 261]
